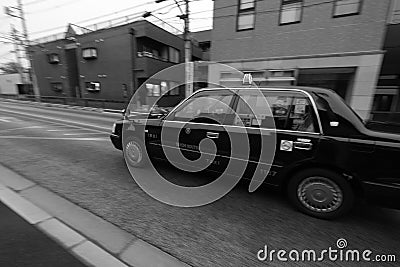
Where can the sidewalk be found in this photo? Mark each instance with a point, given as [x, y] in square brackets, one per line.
[52, 230]
[22, 244]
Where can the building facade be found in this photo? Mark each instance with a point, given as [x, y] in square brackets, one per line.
[109, 64]
[13, 84]
[386, 106]
[334, 44]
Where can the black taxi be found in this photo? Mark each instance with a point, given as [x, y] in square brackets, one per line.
[324, 156]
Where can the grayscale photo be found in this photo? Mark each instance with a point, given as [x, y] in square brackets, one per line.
[199, 133]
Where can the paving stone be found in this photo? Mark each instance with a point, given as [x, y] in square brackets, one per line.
[23, 207]
[13, 180]
[62, 233]
[95, 228]
[142, 254]
[96, 256]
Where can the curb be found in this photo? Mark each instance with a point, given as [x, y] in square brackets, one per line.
[44, 104]
[90, 238]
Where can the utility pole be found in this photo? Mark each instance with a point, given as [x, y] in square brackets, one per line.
[188, 54]
[28, 54]
[133, 49]
[16, 42]
[188, 47]
[26, 44]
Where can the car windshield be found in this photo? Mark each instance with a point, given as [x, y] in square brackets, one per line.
[204, 107]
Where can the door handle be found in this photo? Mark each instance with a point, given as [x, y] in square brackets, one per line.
[212, 135]
[302, 145]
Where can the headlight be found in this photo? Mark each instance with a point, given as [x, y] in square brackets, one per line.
[113, 128]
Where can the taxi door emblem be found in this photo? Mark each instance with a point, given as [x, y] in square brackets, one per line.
[131, 128]
[187, 130]
[286, 145]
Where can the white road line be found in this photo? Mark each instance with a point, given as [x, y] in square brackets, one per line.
[67, 130]
[20, 128]
[81, 133]
[9, 119]
[63, 122]
[56, 138]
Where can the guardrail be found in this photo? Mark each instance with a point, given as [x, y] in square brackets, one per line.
[85, 102]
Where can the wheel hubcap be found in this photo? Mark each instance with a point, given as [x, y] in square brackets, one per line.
[133, 152]
[320, 194]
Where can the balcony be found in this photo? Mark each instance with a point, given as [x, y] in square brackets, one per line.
[147, 65]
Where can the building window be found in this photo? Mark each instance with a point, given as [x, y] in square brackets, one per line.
[153, 89]
[395, 12]
[174, 55]
[56, 86]
[174, 88]
[246, 15]
[346, 8]
[383, 102]
[162, 88]
[291, 11]
[124, 90]
[53, 58]
[92, 86]
[89, 53]
[164, 54]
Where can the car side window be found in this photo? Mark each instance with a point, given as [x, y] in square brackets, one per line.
[301, 117]
[252, 111]
[287, 111]
[205, 108]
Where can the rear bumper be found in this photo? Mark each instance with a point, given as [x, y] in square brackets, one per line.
[382, 194]
[117, 141]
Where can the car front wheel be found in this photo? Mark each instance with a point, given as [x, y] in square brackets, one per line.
[321, 193]
[134, 152]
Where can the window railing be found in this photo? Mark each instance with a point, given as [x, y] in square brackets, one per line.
[395, 17]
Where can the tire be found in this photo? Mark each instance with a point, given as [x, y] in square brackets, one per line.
[320, 193]
[135, 152]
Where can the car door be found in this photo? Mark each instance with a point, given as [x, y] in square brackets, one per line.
[298, 130]
[193, 135]
[282, 132]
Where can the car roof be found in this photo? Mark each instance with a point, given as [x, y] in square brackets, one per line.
[307, 89]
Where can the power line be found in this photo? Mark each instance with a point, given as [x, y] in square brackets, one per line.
[51, 8]
[192, 13]
[106, 15]
[34, 2]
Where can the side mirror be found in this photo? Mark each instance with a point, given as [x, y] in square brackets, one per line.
[158, 112]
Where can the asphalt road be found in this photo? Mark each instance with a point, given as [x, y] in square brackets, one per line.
[69, 152]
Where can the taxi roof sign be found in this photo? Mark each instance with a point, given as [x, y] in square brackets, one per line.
[247, 79]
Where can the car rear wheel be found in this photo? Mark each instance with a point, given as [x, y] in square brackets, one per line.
[135, 153]
[321, 193]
